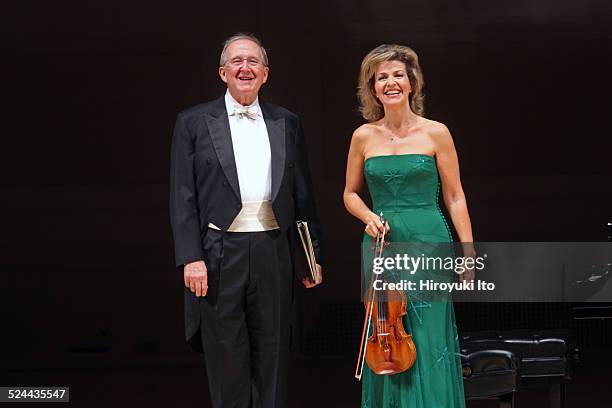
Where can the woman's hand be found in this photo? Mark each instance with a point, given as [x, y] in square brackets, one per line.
[374, 226]
[469, 253]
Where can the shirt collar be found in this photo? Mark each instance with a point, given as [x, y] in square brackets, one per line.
[230, 103]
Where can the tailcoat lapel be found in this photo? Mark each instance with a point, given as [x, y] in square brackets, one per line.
[218, 126]
[276, 135]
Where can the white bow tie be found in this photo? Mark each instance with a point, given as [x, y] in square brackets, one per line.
[249, 112]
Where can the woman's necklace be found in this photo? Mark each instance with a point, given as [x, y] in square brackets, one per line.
[394, 136]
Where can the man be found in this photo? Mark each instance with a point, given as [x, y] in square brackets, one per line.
[239, 180]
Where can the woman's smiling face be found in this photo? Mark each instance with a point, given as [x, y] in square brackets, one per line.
[391, 83]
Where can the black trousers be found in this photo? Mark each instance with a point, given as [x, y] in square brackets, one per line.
[245, 329]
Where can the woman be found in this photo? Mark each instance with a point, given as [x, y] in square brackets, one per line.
[405, 158]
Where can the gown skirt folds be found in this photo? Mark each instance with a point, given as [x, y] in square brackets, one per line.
[406, 189]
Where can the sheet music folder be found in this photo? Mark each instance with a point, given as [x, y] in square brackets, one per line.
[307, 249]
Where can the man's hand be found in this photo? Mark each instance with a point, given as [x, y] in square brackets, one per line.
[196, 277]
[307, 281]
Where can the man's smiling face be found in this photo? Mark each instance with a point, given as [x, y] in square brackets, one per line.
[244, 71]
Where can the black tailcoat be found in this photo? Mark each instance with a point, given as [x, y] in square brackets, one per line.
[204, 184]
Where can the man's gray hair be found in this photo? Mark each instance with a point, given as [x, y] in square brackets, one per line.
[242, 36]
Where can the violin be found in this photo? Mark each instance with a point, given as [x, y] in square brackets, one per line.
[390, 349]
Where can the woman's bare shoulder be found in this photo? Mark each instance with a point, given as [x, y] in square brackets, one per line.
[364, 131]
[439, 135]
[435, 128]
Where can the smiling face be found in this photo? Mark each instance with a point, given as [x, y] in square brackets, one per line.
[244, 71]
[391, 83]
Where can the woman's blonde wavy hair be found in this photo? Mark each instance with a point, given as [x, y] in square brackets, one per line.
[369, 106]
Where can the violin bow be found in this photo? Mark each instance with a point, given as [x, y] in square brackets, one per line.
[378, 249]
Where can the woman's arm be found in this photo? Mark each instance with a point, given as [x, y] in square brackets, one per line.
[354, 183]
[452, 192]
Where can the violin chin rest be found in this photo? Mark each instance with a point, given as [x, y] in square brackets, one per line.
[388, 368]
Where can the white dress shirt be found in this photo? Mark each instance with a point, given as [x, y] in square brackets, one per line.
[251, 151]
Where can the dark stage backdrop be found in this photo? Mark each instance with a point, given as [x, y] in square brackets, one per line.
[91, 90]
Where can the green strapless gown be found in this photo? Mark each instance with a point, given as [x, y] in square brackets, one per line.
[405, 188]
